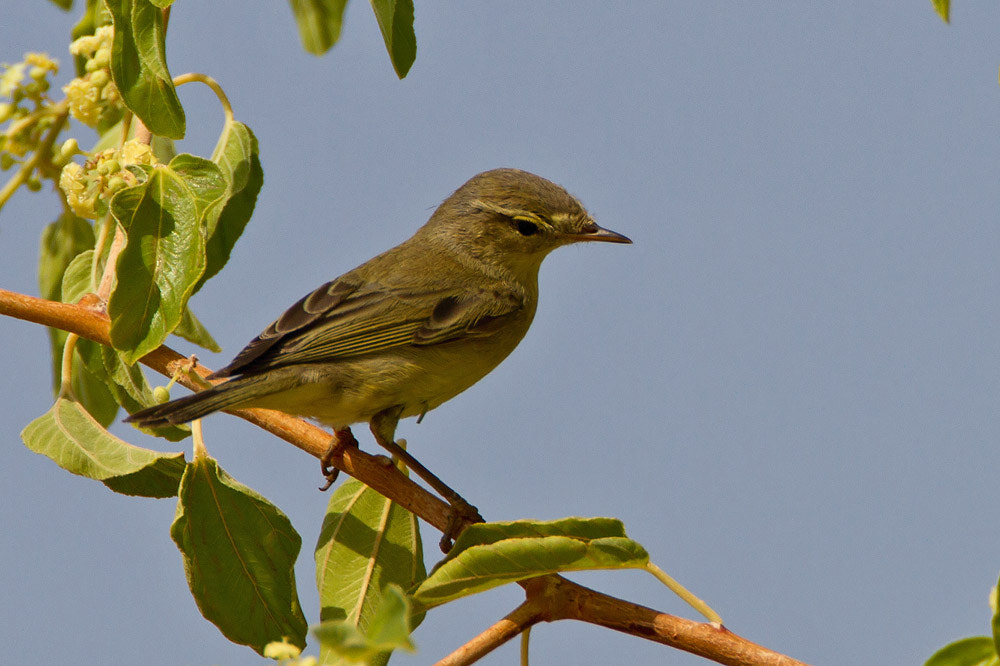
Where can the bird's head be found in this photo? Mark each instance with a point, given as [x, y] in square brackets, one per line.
[514, 218]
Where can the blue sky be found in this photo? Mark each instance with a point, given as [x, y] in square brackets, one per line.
[787, 387]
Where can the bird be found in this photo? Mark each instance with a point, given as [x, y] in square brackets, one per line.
[410, 328]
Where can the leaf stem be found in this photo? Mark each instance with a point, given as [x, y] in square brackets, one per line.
[684, 594]
[200, 452]
[66, 370]
[126, 128]
[214, 85]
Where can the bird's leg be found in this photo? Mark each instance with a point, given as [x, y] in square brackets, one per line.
[383, 426]
[341, 439]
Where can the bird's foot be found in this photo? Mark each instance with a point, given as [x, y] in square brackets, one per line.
[460, 514]
[341, 440]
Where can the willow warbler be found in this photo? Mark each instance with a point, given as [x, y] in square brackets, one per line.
[411, 328]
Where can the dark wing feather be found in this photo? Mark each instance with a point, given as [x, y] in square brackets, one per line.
[475, 314]
[303, 313]
[341, 320]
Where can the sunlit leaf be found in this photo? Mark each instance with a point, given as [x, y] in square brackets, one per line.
[492, 554]
[139, 67]
[164, 255]
[238, 161]
[239, 554]
[366, 544]
[389, 629]
[76, 442]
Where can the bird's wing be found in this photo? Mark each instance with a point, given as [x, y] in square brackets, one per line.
[343, 319]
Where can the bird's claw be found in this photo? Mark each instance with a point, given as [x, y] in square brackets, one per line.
[460, 514]
[341, 439]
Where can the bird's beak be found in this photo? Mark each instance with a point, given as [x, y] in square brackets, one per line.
[600, 234]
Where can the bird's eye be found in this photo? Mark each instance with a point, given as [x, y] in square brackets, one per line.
[525, 227]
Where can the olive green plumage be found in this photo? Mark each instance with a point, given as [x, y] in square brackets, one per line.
[414, 326]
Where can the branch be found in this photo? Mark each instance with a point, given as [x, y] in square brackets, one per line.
[570, 601]
[549, 597]
[515, 622]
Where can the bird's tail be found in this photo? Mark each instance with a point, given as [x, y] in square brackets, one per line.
[231, 393]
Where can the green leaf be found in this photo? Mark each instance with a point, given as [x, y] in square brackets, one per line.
[977, 651]
[91, 389]
[491, 554]
[203, 179]
[237, 158]
[132, 391]
[162, 4]
[77, 279]
[388, 630]
[139, 67]
[61, 242]
[89, 381]
[91, 384]
[63, 4]
[942, 7]
[395, 20]
[366, 544]
[390, 626]
[239, 554]
[164, 255]
[482, 534]
[319, 23]
[76, 442]
[194, 331]
[160, 480]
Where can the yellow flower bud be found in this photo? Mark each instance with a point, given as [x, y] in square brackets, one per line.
[10, 80]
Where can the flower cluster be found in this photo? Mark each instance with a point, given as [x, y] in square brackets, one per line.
[93, 96]
[12, 84]
[27, 109]
[89, 188]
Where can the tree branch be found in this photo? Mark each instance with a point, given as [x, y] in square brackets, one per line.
[549, 598]
[519, 619]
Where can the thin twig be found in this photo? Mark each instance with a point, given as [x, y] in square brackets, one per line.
[518, 620]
